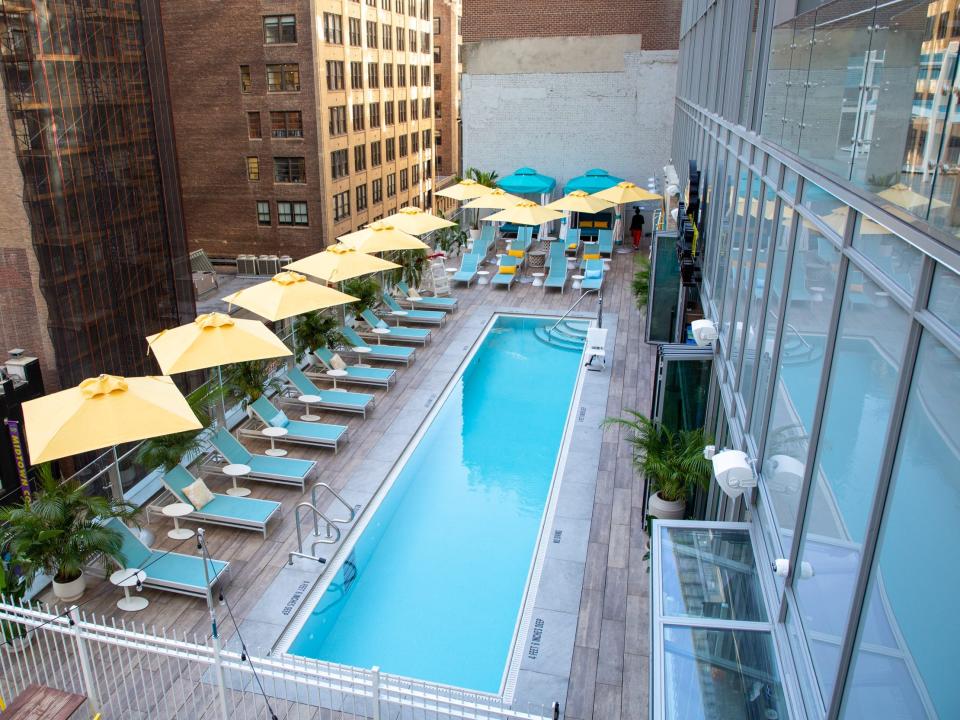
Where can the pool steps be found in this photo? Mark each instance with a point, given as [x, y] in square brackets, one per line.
[569, 335]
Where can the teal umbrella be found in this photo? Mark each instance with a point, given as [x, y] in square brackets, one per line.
[526, 181]
[592, 181]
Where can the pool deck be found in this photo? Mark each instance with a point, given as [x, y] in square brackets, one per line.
[594, 644]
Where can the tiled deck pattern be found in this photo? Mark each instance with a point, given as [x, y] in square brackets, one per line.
[610, 660]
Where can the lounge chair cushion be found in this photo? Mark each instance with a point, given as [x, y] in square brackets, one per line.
[337, 363]
[508, 269]
[249, 509]
[412, 293]
[515, 253]
[592, 274]
[198, 494]
[592, 256]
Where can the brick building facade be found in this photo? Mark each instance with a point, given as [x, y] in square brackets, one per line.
[447, 62]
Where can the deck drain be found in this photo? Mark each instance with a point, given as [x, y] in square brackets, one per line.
[582, 413]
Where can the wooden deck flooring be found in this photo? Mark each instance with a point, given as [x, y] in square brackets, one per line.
[610, 660]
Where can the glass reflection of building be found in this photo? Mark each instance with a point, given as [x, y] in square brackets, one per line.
[828, 141]
[85, 89]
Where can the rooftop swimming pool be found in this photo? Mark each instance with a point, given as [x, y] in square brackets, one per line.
[434, 586]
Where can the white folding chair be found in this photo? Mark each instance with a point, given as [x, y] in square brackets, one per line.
[596, 346]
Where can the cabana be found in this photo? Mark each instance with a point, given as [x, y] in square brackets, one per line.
[532, 185]
[590, 182]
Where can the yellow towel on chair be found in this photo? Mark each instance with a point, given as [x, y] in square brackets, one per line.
[508, 269]
[592, 256]
[515, 253]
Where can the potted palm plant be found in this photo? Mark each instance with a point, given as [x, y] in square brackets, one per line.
[451, 239]
[412, 264]
[13, 586]
[61, 531]
[481, 177]
[248, 381]
[672, 461]
[315, 330]
[367, 292]
[167, 451]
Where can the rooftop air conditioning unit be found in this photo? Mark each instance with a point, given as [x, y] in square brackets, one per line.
[268, 265]
[285, 260]
[246, 265]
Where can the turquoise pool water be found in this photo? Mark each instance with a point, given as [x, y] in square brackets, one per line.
[434, 585]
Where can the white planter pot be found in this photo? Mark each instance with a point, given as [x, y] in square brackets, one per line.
[665, 509]
[474, 233]
[70, 591]
[18, 644]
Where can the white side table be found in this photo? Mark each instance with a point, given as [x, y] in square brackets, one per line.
[361, 351]
[309, 400]
[273, 433]
[234, 471]
[452, 270]
[399, 314]
[482, 279]
[537, 279]
[577, 284]
[126, 579]
[177, 511]
[380, 332]
[334, 374]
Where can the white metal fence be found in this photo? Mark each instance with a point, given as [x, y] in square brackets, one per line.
[135, 673]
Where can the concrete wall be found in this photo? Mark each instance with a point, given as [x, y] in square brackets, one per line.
[567, 104]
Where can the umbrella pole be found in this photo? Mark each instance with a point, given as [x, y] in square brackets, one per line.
[116, 487]
[215, 635]
[223, 405]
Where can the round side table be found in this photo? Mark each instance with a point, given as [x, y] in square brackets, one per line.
[235, 470]
[380, 332]
[361, 351]
[482, 279]
[309, 400]
[335, 374]
[273, 433]
[537, 279]
[577, 284]
[177, 511]
[399, 314]
[126, 579]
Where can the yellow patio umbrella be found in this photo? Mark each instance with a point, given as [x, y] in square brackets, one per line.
[338, 263]
[415, 221]
[581, 202]
[526, 213]
[382, 237]
[498, 199]
[902, 196]
[465, 190]
[102, 412]
[287, 294]
[626, 192]
[214, 339]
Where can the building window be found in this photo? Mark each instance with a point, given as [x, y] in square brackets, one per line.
[286, 124]
[427, 134]
[291, 213]
[253, 126]
[377, 190]
[436, 53]
[246, 82]
[401, 75]
[341, 206]
[412, 35]
[425, 42]
[253, 168]
[289, 170]
[283, 78]
[375, 154]
[436, 139]
[374, 115]
[436, 26]
[415, 174]
[436, 108]
[338, 120]
[357, 112]
[414, 142]
[426, 108]
[459, 53]
[373, 75]
[362, 197]
[425, 75]
[427, 170]
[280, 29]
[404, 182]
[401, 39]
[390, 149]
[414, 110]
[334, 75]
[403, 145]
[401, 111]
[263, 212]
[333, 28]
[388, 112]
[354, 30]
[436, 80]
[338, 164]
[439, 164]
[359, 158]
[391, 184]
[387, 33]
[371, 34]
[413, 76]
[385, 5]
[356, 75]
[398, 7]
[424, 9]
[412, 8]
[387, 75]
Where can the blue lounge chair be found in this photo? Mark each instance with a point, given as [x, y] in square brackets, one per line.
[557, 277]
[591, 251]
[468, 268]
[573, 238]
[488, 240]
[605, 241]
[166, 570]
[524, 236]
[303, 433]
[506, 277]
[380, 377]
[386, 353]
[244, 513]
[418, 301]
[556, 254]
[342, 400]
[280, 470]
[397, 332]
[427, 317]
[593, 275]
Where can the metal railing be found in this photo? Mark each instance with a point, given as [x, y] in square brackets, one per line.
[125, 670]
[574, 306]
[330, 539]
[800, 337]
[351, 513]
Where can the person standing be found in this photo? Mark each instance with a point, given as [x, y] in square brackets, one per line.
[636, 227]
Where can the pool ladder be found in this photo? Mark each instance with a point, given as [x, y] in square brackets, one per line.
[332, 524]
